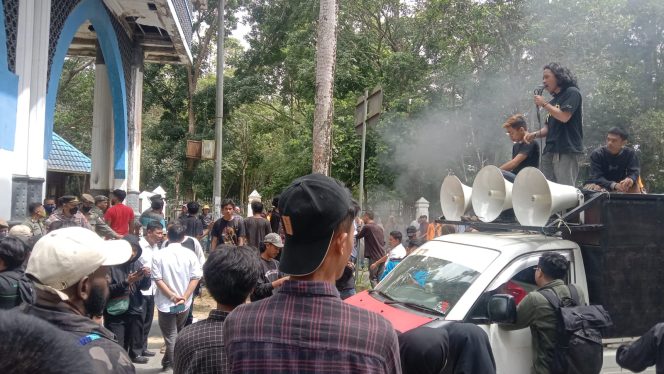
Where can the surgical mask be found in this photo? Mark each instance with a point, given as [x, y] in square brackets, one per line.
[86, 209]
[49, 208]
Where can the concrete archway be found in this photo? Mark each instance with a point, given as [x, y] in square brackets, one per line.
[95, 12]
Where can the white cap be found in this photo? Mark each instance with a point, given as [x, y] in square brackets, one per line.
[61, 258]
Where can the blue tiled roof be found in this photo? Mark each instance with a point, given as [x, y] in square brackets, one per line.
[66, 158]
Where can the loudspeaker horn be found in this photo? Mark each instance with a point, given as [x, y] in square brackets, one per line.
[535, 198]
[491, 194]
[454, 198]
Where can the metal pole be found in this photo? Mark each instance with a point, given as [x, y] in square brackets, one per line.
[219, 110]
[364, 141]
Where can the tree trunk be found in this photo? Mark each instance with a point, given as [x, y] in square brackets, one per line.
[192, 82]
[326, 53]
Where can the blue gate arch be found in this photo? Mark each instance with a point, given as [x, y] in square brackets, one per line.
[95, 12]
[8, 92]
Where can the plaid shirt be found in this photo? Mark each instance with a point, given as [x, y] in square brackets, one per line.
[306, 328]
[199, 348]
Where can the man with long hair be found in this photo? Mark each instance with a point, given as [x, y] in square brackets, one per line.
[562, 127]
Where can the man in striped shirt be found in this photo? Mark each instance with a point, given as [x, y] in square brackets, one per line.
[305, 327]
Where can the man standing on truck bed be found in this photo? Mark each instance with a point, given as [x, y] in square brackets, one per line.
[536, 312]
[563, 125]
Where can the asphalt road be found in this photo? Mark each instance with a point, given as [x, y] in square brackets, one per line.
[155, 342]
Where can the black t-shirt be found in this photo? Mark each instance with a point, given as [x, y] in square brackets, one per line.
[566, 137]
[275, 221]
[228, 232]
[193, 226]
[256, 229]
[532, 155]
[373, 241]
[606, 168]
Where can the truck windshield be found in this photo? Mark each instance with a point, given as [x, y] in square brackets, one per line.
[436, 277]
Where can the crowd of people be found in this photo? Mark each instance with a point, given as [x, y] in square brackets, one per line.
[272, 315]
[81, 277]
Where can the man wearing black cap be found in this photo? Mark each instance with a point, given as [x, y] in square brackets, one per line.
[68, 212]
[305, 327]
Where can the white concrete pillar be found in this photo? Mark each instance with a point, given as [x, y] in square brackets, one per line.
[421, 208]
[27, 161]
[101, 178]
[135, 125]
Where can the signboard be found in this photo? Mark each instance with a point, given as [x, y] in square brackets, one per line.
[375, 107]
[208, 150]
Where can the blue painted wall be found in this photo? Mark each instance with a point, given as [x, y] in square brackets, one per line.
[94, 11]
[8, 92]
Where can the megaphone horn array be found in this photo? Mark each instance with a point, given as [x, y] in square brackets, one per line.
[533, 198]
[454, 198]
[491, 194]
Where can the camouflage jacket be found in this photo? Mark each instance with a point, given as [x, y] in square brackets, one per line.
[36, 227]
[96, 220]
[78, 219]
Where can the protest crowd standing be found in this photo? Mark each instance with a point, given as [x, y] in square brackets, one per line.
[279, 309]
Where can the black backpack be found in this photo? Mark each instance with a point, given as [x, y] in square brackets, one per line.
[578, 348]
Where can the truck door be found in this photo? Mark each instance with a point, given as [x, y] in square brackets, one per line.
[512, 350]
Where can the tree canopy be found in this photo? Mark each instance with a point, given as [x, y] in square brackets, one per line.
[452, 71]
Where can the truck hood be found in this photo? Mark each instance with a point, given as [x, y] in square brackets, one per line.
[402, 320]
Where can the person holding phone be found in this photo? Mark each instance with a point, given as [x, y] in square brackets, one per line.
[176, 271]
[123, 314]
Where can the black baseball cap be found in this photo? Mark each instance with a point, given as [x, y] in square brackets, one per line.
[311, 209]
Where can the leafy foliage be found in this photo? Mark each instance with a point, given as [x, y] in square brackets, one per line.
[451, 71]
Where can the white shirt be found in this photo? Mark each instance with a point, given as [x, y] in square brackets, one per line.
[397, 253]
[146, 261]
[198, 248]
[176, 266]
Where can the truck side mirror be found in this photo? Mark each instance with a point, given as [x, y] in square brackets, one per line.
[502, 309]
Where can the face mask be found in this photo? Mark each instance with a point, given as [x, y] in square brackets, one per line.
[49, 208]
[73, 210]
[86, 209]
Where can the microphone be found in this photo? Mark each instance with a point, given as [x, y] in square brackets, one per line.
[539, 90]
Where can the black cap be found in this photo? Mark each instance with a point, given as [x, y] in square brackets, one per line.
[311, 208]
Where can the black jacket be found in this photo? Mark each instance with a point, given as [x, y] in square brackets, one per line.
[119, 286]
[15, 288]
[91, 336]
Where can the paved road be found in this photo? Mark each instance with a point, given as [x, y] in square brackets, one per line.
[155, 342]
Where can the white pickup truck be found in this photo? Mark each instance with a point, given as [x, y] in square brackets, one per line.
[452, 278]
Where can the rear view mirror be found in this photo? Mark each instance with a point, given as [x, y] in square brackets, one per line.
[502, 309]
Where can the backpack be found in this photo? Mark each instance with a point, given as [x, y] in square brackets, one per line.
[578, 348]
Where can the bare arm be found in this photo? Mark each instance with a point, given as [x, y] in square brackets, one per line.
[513, 163]
[379, 261]
[536, 134]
